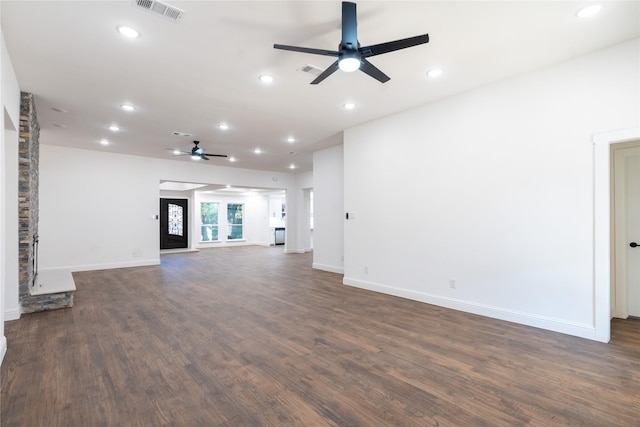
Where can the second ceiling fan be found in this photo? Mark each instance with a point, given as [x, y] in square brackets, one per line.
[351, 56]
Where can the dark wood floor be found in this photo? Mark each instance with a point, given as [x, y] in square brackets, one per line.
[249, 336]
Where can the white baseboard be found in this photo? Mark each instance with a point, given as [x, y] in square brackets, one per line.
[330, 268]
[294, 251]
[581, 330]
[12, 313]
[108, 266]
[3, 348]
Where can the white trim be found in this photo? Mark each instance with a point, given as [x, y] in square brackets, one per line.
[3, 348]
[178, 250]
[330, 268]
[294, 251]
[12, 313]
[110, 265]
[582, 330]
[602, 226]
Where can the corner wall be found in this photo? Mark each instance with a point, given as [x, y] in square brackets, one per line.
[488, 205]
[328, 207]
[9, 123]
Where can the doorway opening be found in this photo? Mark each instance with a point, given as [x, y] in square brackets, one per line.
[603, 252]
[625, 260]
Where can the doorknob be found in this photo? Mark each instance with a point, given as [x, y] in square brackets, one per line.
[633, 244]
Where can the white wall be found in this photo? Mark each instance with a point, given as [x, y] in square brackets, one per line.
[328, 209]
[255, 220]
[304, 187]
[493, 189]
[11, 234]
[9, 125]
[96, 208]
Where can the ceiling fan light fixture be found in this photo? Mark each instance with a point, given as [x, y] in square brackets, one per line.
[195, 157]
[349, 62]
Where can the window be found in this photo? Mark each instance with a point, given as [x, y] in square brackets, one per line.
[175, 220]
[234, 221]
[209, 221]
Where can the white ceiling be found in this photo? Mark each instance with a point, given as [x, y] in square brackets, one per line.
[191, 75]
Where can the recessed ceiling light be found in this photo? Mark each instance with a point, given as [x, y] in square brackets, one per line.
[128, 32]
[291, 139]
[59, 110]
[128, 107]
[176, 152]
[436, 72]
[104, 142]
[349, 106]
[232, 159]
[114, 128]
[588, 11]
[257, 151]
[266, 79]
[223, 126]
[227, 186]
[292, 166]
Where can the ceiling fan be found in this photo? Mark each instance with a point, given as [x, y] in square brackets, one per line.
[198, 153]
[351, 56]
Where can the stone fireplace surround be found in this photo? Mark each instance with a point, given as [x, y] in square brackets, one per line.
[33, 297]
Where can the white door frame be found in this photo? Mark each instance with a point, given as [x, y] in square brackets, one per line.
[602, 245]
[619, 294]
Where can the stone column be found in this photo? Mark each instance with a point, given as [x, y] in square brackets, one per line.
[28, 158]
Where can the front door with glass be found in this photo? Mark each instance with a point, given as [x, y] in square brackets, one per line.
[173, 224]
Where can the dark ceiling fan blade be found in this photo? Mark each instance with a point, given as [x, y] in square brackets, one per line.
[326, 73]
[306, 50]
[204, 157]
[216, 155]
[349, 26]
[381, 48]
[373, 71]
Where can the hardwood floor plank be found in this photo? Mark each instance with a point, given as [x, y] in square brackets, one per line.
[250, 336]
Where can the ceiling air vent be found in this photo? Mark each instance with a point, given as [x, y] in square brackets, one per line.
[159, 8]
[181, 134]
[311, 69]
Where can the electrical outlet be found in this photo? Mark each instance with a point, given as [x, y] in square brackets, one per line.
[452, 283]
[366, 269]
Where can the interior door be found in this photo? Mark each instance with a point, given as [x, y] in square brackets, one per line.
[627, 229]
[174, 230]
[633, 231]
